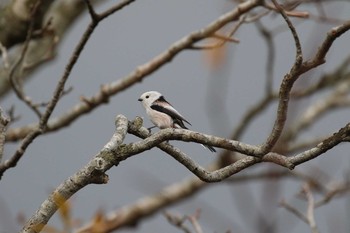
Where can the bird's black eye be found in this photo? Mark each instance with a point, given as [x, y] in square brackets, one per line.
[147, 96]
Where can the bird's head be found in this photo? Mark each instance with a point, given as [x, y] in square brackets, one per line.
[149, 97]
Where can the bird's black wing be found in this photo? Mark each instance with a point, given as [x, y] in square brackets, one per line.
[177, 118]
[161, 105]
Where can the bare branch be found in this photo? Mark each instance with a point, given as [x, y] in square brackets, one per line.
[18, 14]
[138, 74]
[92, 173]
[341, 136]
[96, 18]
[17, 84]
[144, 70]
[115, 151]
[320, 56]
[194, 220]
[93, 14]
[59, 90]
[223, 39]
[47, 35]
[332, 193]
[295, 72]
[222, 173]
[337, 99]
[285, 88]
[4, 56]
[288, 11]
[271, 54]
[304, 144]
[250, 114]
[309, 218]
[177, 221]
[131, 214]
[3, 123]
[328, 80]
[310, 208]
[294, 211]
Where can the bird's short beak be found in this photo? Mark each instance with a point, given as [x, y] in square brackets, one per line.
[139, 99]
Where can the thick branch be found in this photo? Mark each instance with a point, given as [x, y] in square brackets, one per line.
[227, 171]
[92, 173]
[42, 48]
[114, 152]
[17, 15]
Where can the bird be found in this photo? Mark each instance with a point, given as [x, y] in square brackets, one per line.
[162, 114]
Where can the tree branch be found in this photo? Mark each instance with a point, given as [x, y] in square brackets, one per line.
[3, 123]
[286, 86]
[92, 173]
[114, 152]
[41, 48]
[88, 104]
[42, 126]
[310, 208]
[18, 14]
[15, 83]
[246, 149]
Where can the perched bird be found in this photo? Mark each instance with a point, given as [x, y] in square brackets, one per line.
[162, 114]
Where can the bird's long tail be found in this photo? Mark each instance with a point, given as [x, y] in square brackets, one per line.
[178, 124]
[212, 149]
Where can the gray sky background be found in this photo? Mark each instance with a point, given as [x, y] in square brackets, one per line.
[121, 43]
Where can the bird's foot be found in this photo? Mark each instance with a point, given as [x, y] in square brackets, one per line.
[150, 129]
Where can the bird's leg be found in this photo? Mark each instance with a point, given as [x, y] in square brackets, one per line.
[150, 129]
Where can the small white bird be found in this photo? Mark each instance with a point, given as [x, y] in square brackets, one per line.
[162, 114]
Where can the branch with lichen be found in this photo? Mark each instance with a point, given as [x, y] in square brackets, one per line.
[115, 151]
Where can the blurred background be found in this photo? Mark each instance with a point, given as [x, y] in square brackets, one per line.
[213, 89]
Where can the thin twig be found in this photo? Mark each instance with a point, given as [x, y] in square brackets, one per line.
[223, 39]
[16, 84]
[177, 221]
[139, 73]
[194, 220]
[323, 49]
[4, 56]
[131, 214]
[288, 11]
[304, 144]
[4, 121]
[339, 189]
[42, 126]
[250, 115]
[294, 211]
[285, 88]
[310, 208]
[271, 54]
[337, 99]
